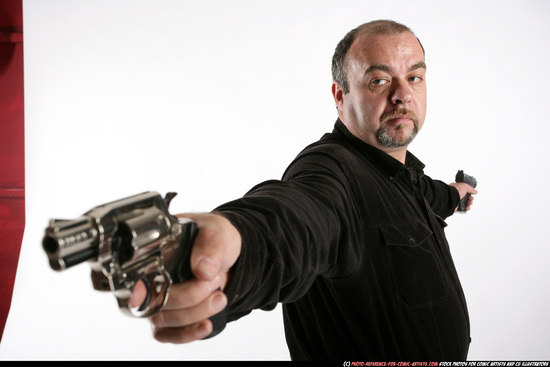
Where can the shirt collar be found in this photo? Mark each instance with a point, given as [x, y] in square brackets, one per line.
[384, 162]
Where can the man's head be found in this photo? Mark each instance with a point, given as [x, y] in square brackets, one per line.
[379, 84]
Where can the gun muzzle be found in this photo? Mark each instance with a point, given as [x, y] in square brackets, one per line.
[70, 242]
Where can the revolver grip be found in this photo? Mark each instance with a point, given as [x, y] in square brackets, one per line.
[180, 269]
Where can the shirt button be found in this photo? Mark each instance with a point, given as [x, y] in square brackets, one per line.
[412, 241]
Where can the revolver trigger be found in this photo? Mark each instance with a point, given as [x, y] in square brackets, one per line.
[157, 286]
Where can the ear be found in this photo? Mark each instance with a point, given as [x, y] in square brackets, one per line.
[338, 95]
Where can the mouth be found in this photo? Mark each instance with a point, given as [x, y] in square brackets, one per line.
[398, 117]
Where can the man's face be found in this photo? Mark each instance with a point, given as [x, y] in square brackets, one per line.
[386, 104]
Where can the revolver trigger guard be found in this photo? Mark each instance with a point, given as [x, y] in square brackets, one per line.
[157, 284]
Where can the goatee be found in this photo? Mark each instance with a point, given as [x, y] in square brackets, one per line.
[396, 141]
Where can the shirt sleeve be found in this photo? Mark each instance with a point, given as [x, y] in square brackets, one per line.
[443, 198]
[292, 231]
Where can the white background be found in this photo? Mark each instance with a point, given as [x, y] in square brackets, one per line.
[208, 98]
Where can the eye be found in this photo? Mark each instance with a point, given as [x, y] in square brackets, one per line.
[379, 81]
[416, 79]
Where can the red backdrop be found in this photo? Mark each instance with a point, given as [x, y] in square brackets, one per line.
[12, 149]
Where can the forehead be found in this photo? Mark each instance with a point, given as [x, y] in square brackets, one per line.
[393, 50]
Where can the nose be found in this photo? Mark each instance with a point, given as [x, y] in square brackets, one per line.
[401, 94]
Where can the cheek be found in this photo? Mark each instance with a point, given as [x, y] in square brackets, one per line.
[363, 110]
[364, 115]
[421, 109]
[367, 107]
[421, 115]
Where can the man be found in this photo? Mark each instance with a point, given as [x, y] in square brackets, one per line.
[351, 240]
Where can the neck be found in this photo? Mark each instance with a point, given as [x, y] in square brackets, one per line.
[398, 153]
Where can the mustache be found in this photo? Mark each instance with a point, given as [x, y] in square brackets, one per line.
[399, 112]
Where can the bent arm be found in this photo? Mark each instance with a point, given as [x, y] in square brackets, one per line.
[443, 198]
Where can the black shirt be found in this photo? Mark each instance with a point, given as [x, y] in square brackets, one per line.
[352, 242]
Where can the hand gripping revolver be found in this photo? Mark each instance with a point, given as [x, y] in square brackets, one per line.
[126, 241]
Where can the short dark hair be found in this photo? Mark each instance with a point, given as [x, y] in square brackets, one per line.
[339, 72]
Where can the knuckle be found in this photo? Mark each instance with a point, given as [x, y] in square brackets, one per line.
[187, 294]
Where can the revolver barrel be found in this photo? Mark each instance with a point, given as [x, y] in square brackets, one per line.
[70, 242]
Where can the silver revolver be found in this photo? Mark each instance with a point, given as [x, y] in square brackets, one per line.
[127, 241]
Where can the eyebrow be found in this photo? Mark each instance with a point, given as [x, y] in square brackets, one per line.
[377, 67]
[418, 65]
